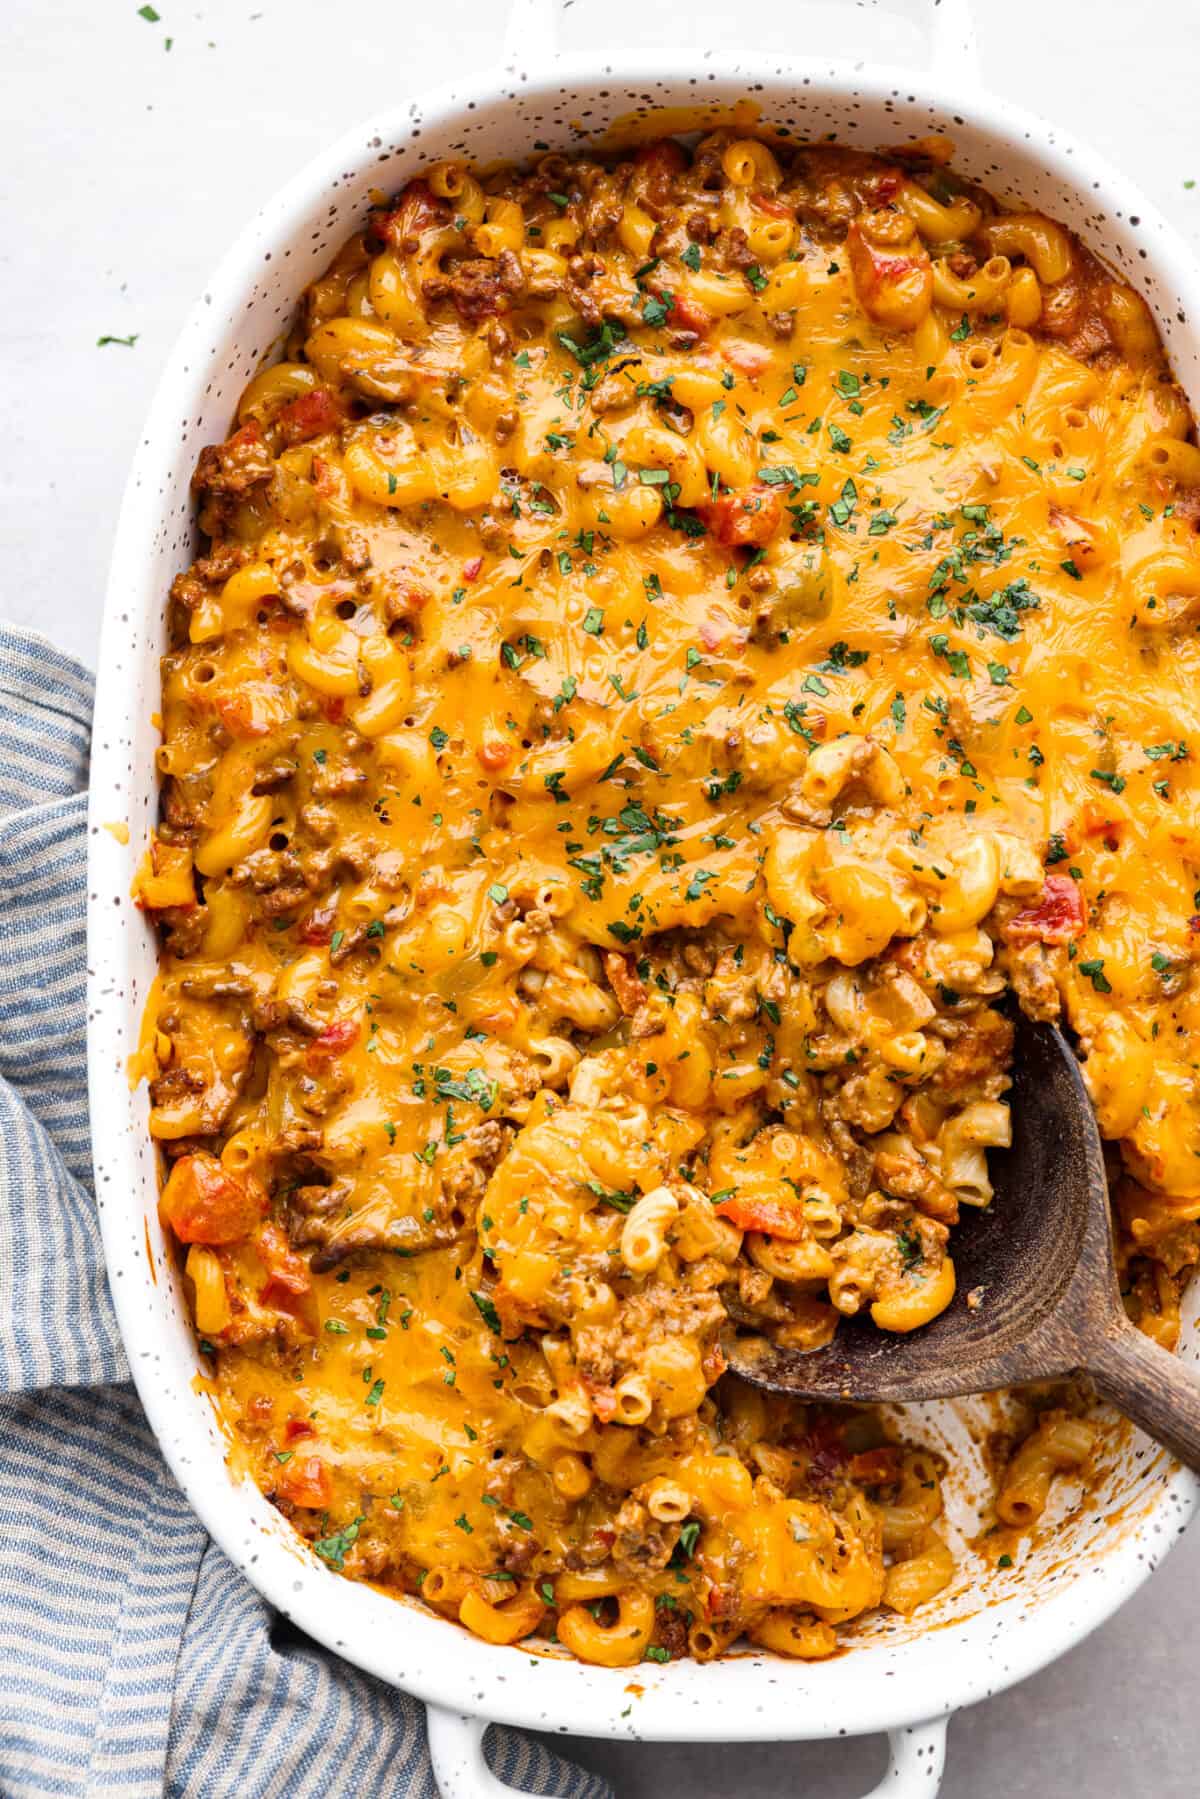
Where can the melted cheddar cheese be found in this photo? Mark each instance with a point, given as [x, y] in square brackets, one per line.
[682, 637]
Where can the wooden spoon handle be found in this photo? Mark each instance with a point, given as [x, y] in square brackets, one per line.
[1151, 1386]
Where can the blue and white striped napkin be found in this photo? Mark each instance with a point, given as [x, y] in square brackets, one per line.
[134, 1658]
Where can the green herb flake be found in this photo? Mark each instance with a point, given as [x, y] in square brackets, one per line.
[334, 1548]
[487, 1311]
[1094, 971]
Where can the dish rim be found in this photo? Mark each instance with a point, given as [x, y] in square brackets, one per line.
[682, 1700]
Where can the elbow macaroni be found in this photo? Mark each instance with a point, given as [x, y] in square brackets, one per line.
[654, 685]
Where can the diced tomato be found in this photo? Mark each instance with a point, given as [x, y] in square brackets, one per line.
[203, 1203]
[311, 415]
[318, 927]
[243, 714]
[230, 467]
[298, 1428]
[333, 709]
[288, 1286]
[604, 1404]
[329, 480]
[886, 186]
[776, 1217]
[827, 1452]
[471, 569]
[1094, 821]
[716, 632]
[1056, 918]
[747, 358]
[664, 155]
[306, 1483]
[721, 1600]
[772, 206]
[334, 1040]
[747, 519]
[415, 211]
[895, 287]
[406, 598]
[689, 315]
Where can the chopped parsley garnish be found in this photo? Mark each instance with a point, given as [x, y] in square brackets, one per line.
[335, 1547]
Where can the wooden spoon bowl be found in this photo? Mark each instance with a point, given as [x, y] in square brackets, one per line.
[1037, 1290]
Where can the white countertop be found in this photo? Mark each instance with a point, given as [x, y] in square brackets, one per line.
[129, 166]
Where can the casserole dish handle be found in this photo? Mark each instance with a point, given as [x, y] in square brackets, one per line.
[531, 39]
[916, 1758]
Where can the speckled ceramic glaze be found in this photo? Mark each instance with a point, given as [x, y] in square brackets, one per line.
[994, 1626]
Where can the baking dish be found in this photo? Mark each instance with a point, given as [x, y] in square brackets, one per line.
[992, 1627]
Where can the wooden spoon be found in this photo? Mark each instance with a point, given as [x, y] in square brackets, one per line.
[1037, 1287]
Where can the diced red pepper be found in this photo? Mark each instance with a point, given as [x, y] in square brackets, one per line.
[1058, 916]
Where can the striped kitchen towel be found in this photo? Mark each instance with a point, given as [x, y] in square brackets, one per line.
[134, 1659]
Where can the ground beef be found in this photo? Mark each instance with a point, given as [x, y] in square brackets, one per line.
[732, 248]
[1030, 971]
[642, 1545]
[976, 1060]
[464, 1184]
[182, 928]
[479, 285]
[341, 1241]
[646, 1317]
[242, 462]
[671, 1631]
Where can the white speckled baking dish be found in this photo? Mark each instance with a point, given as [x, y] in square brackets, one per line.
[993, 1627]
